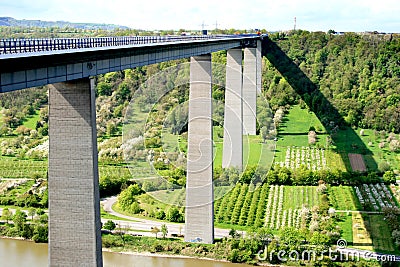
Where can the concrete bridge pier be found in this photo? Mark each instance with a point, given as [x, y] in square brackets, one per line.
[199, 213]
[232, 155]
[250, 90]
[74, 209]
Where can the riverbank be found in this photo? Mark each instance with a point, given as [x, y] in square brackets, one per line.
[160, 255]
[173, 256]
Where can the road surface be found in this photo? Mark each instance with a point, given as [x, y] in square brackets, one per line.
[146, 225]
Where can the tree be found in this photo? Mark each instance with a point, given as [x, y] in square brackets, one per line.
[312, 137]
[104, 89]
[394, 145]
[164, 230]
[155, 230]
[389, 177]
[19, 219]
[127, 196]
[31, 212]
[7, 215]
[40, 233]
[174, 215]
[160, 215]
[264, 133]
[111, 128]
[233, 233]
[109, 225]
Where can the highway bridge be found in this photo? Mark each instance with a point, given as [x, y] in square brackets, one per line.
[67, 65]
[26, 63]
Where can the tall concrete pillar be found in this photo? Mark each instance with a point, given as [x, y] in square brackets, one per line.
[74, 209]
[199, 213]
[259, 66]
[232, 155]
[249, 91]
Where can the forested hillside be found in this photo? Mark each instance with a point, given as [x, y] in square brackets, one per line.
[11, 22]
[359, 75]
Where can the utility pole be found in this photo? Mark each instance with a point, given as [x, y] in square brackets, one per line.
[203, 25]
[294, 24]
[203, 31]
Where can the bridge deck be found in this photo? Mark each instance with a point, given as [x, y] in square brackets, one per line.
[39, 62]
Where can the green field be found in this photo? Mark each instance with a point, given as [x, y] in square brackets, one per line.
[378, 155]
[343, 198]
[11, 167]
[297, 197]
[293, 133]
[255, 152]
[31, 121]
[299, 121]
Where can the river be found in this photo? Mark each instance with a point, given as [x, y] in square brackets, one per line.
[28, 254]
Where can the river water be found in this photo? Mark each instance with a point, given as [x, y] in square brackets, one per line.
[19, 253]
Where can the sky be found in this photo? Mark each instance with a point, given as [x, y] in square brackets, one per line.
[272, 15]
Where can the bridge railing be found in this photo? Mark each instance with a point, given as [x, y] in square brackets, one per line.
[12, 46]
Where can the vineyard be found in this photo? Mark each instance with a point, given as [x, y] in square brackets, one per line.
[312, 157]
[12, 168]
[272, 206]
[342, 198]
[244, 205]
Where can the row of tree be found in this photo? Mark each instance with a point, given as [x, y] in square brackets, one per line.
[18, 225]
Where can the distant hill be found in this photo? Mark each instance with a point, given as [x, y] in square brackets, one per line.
[8, 21]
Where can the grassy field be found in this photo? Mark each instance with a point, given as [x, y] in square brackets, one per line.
[377, 154]
[293, 132]
[380, 233]
[372, 233]
[343, 198]
[299, 121]
[175, 197]
[31, 121]
[255, 152]
[345, 223]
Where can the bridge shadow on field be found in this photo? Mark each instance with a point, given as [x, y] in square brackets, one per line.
[343, 137]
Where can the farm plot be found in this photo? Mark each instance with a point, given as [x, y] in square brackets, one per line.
[171, 197]
[10, 168]
[371, 232]
[287, 205]
[244, 205]
[342, 198]
[312, 157]
[357, 162]
[380, 233]
[361, 236]
[374, 196]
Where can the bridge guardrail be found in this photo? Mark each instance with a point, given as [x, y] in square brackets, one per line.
[12, 46]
